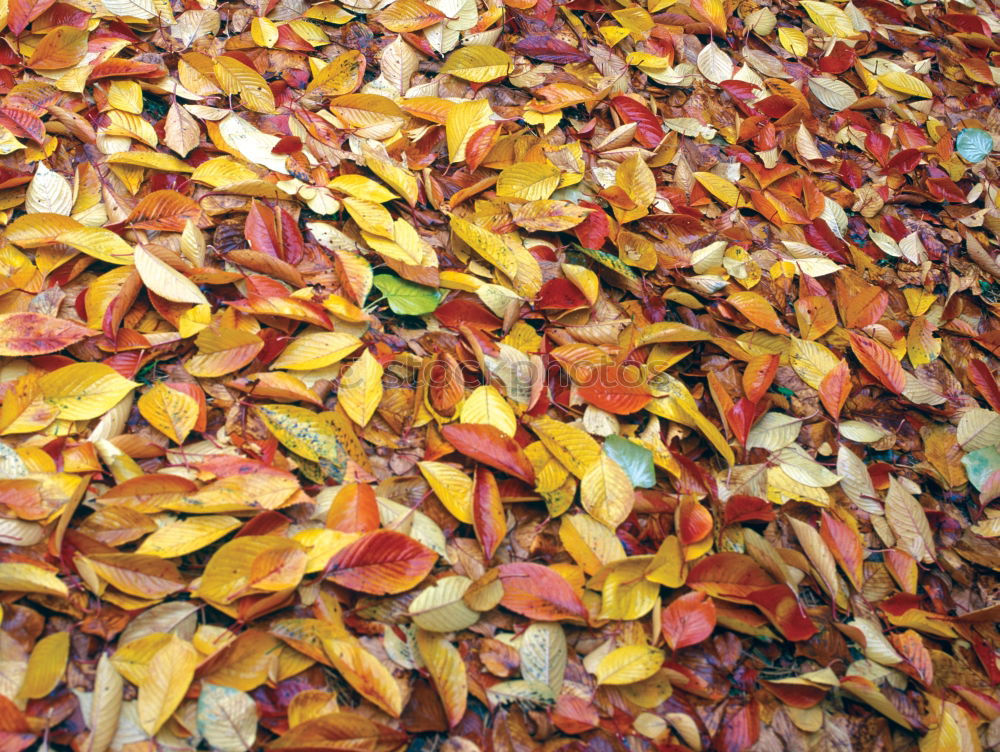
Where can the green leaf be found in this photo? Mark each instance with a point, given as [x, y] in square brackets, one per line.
[636, 461]
[407, 298]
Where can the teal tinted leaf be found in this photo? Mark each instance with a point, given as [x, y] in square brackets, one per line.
[636, 461]
[973, 144]
[407, 298]
[980, 465]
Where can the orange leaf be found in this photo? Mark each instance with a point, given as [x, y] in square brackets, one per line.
[879, 362]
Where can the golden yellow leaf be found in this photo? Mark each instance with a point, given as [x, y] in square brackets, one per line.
[606, 492]
[169, 411]
[478, 63]
[529, 181]
[166, 682]
[452, 487]
[82, 391]
[187, 536]
[629, 664]
[361, 388]
[46, 665]
[487, 405]
[447, 671]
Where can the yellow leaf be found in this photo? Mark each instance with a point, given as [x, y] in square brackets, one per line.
[153, 160]
[222, 351]
[46, 665]
[906, 84]
[478, 63]
[311, 435]
[361, 388]
[130, 125]
[722, 189]
[629, 664]
[314, 350]
[48, 192]
[169, 411]
[187, 536]
[361, 187]
[627, 594]
[606, 492]
[573, 447]
[462, 121]
[264, 32]
[487, 405]
[487, 244]
[635, 178]
[82, 391]
[448, 672]
[793, 40]
[370, 115]
[340, 76]
[399, 178]
[591, 544]
[19, 577]
[677, 404]
[908, 521]
[831, 19]
[366, 673]
[236, 78]
[167, 679]
[251, 564]
[371, 217]
[452, 487]
[530, 181]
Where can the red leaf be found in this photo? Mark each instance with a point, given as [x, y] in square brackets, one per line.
[23, 12]
[980, 375]
[27, 333]
[538, 592]
[550, 49]
[879, 362]
[780, 605]
[489, 445]
[618, 389]
[593, 231]
[741, 417]
[260, 232]
[688, 620]
[648, 131]
[382, 562]
[742, 508]
[740, 728]
[488, 517]
[840, 58]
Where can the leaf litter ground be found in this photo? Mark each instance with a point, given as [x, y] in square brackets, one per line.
[468, 376]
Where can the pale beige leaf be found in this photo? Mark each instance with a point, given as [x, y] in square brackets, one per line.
[166, 281]
[909, 522]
